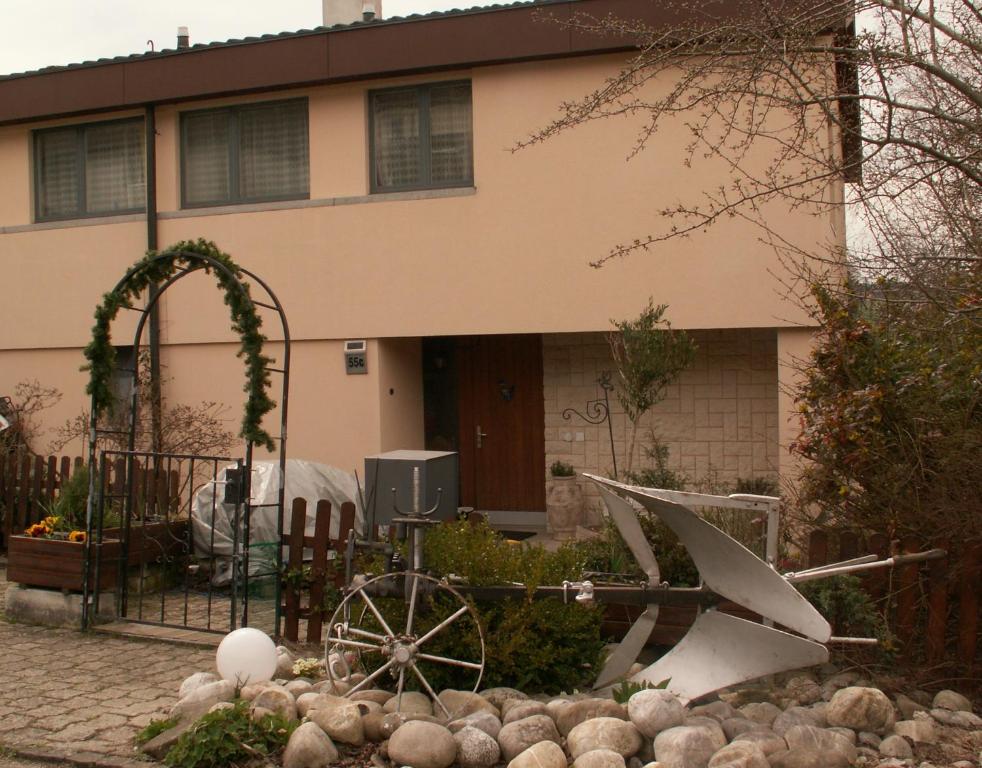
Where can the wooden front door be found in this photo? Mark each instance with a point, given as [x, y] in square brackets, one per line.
[501, 422]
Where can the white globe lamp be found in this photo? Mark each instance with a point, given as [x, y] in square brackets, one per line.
[246, 655]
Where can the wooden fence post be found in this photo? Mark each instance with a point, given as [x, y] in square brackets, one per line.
[970, 569]
[937, 608]
[318, 570]
[818, 548]
[907, 582]
[298, 522]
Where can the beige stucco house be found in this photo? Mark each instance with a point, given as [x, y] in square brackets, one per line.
[366, 172]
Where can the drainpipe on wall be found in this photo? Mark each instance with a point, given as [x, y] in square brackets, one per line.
[156, 430]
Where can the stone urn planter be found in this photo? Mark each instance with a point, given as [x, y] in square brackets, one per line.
[564, 506]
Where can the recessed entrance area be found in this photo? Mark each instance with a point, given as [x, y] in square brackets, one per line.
[483, 397]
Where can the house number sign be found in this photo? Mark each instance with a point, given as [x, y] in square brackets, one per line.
[355, 357]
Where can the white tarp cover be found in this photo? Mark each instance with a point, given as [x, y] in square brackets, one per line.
[304, 479]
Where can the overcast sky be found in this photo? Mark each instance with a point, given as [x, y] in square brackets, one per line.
[40, 33]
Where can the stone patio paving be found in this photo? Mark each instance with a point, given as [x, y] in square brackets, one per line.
[65, 692]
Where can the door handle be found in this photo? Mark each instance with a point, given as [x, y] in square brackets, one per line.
[480, 436]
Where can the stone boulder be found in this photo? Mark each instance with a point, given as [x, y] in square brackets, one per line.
[517, 709]
[810, 743]
[654, 711]
[412, 702]
[896, 746]
[518, 736]
[718, 710]
[957, 718]
[768, 741]
[420, 744]
[343, 723]
[462, 703]
[687, 746]
[483, 721]
[737, 725]
[309, 747]
[277, 699]
[545, 754]
[920, 731]
[202, 698]
[793, 716]
[576, 712]
[951, 700]
[498, 696]
[604, 733]
[475, 749]
[862, 709]
[374, 694]
[739, 754]
[803, 690]
[600, 758]
[195, 681]
[761, 712]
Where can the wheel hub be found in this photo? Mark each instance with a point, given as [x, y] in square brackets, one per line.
[402, 650]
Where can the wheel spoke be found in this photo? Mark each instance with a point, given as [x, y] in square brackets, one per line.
[372, 676]
[445, 660]
[430, 690]
[355, 644]
[443, 625]
[402, 682]
[374, 610]
[412, 604]
[366, 634]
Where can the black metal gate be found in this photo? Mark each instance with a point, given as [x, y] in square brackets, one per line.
[171, 538]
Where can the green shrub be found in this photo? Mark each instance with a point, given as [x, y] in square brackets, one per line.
[627, 689]
[536, 645]
[154, 728]
[561, 469]
[609, 554]
[228, 737]
[846, 605]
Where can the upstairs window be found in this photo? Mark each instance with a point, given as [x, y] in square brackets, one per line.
[421, 137]
[96, 169]
[245, 154]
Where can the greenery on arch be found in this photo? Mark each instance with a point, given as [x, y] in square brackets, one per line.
[156, 267]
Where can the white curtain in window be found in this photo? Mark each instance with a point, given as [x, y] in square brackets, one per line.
[57, 173]
[115, 179]
[206, 166]
[273, 151]
[450, 134]
[396, 140]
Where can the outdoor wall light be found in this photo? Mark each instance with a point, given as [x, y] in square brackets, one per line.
[507, 390]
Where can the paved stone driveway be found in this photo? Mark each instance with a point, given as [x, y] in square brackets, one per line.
[67, 692]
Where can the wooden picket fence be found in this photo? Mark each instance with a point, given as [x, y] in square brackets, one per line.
[310, 581]
[29, 484]
[933, 605]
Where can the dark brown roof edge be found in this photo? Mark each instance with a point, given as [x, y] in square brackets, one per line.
[522, 31]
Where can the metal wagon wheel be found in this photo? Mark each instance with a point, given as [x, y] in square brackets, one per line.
[396, 648]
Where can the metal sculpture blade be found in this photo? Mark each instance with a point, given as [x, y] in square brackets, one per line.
[730, 569]
[627, 523]
[722, 650]
[626, 653]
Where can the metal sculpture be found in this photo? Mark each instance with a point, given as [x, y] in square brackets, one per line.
[719, 650]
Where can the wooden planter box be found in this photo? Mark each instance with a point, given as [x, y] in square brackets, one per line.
[58, 564]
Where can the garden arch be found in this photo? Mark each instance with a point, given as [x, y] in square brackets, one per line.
[117, 478]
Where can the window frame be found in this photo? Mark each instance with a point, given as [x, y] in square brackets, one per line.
[80, 146]
[423, 91]
[232, 111]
